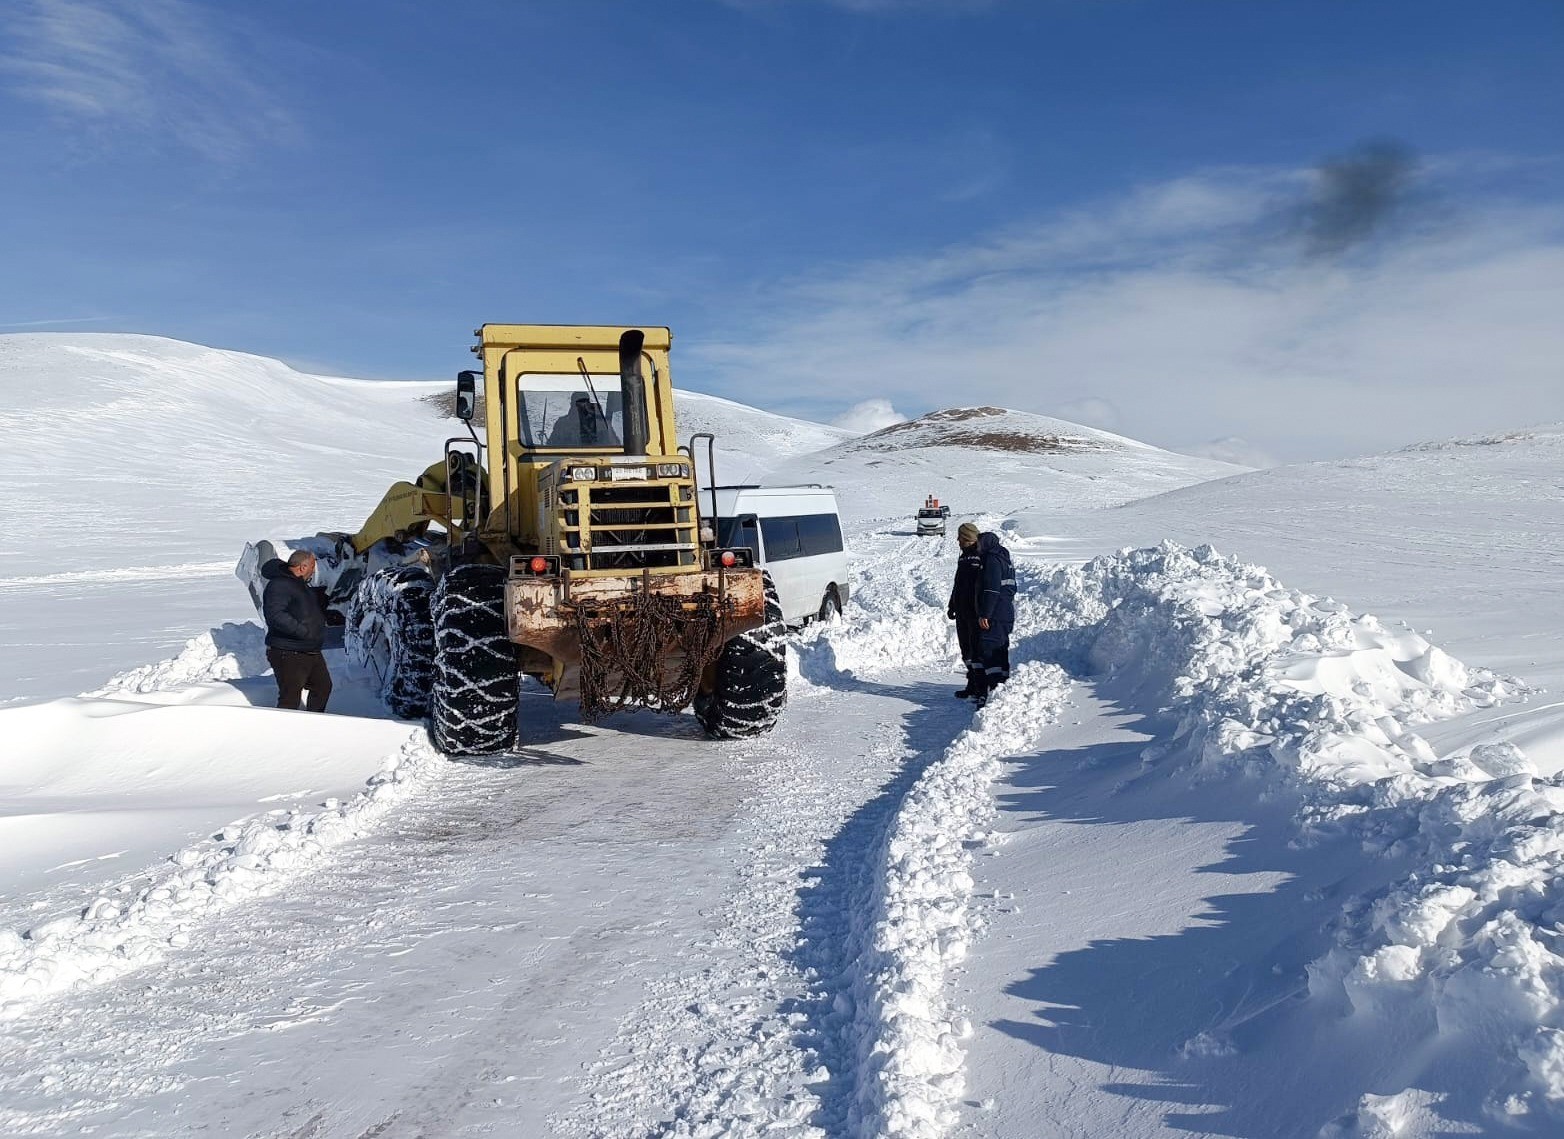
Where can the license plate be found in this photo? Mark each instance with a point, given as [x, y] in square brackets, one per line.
[624, 474]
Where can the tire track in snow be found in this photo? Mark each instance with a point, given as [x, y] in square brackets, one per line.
[740, 1042]
[453, 974]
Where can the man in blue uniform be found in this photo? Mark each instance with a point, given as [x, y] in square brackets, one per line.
[984, 594]
[996, 613]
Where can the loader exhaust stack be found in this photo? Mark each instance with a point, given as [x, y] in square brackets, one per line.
[633, 385]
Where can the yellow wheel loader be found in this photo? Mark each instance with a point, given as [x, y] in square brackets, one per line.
[565, 543]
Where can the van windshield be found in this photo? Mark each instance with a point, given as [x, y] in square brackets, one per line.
[558, 410]
[732, 534]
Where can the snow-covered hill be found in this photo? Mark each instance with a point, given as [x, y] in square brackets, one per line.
[976, 458]
[1230, 854]
[750, 442]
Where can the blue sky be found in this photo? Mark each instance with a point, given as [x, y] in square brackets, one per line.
[1107, 210]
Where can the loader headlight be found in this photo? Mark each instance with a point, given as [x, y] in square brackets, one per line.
[580, 474]
[672, 471]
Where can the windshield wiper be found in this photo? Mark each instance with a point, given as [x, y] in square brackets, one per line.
[587, 376]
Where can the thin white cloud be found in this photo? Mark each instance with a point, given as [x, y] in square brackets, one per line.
[1091, 411]
[164, 69]
[1232, 450]
[1189, 310]
[57, 321]
[870, 415]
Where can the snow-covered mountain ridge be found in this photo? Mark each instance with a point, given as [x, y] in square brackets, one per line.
[988, 428]
[974, 457]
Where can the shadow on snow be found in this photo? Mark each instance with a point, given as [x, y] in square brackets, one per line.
[1213, 1019]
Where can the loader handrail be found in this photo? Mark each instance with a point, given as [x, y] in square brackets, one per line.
[711, 469]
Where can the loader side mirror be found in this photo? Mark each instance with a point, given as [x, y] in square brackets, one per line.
[466, 396]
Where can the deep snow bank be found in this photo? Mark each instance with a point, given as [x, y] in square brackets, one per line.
[1263, 678]
[233, 651]
[1274, 684]
[134, 925]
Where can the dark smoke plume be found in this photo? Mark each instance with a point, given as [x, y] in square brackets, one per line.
[1356, 195]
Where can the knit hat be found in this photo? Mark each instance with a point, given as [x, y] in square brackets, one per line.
[967, 532]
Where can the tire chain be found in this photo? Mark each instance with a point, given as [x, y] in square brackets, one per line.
[397, 600]
[751, 681]
[476, 682]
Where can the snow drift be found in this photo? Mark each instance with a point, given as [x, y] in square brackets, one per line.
[1297, 692]
[137, 923]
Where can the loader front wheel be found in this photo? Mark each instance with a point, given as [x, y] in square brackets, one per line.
[477, 685]
[749, 680]
[389, 633]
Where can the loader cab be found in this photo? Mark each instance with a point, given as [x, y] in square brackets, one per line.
[573, 413]
[581, 455]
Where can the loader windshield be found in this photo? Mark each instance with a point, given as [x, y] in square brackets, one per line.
[564, 411]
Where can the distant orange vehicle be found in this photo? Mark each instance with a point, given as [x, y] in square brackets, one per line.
[932, 516]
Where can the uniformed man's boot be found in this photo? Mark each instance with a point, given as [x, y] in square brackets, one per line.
[973, 685]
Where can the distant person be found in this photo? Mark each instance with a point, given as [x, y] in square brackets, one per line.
[295, 631]
[992, 589]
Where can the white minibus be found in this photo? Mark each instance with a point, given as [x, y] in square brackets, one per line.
[796, 535]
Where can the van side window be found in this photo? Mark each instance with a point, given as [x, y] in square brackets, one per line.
[820, 534]
[782, 540]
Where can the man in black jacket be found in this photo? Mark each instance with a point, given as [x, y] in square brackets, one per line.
[962, 607]
[295, 631]
[982, 603]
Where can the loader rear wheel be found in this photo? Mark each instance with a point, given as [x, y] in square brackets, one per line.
[749, 681]
[477, 685]
[388, 631]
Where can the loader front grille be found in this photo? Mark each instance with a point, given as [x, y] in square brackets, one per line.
[628, 526]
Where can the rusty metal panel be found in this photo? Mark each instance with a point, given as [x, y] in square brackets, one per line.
[541, 611]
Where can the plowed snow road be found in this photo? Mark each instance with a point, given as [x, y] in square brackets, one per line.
[596, 935]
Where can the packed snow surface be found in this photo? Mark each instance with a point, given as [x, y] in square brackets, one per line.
[1262, 837]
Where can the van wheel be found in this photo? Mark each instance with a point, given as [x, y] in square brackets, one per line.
[477, 686]
[830, 604]
[389, 633]
[749, 679]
